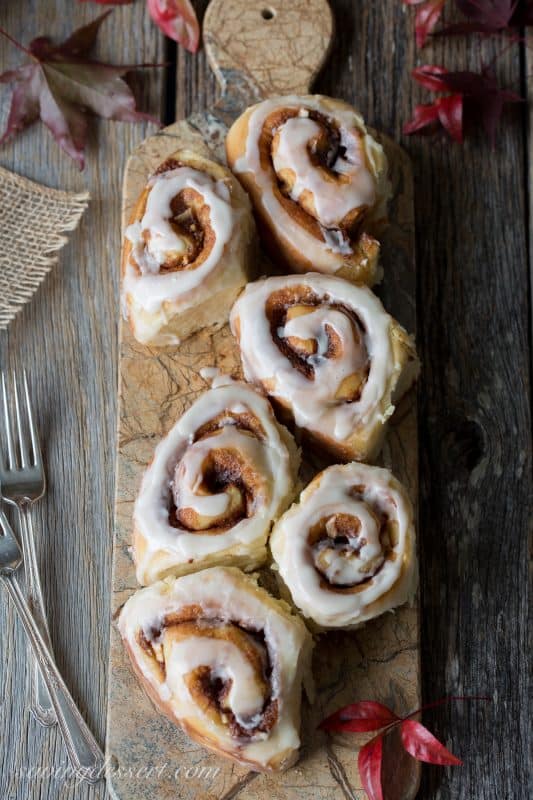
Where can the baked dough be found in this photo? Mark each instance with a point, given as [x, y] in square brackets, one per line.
[346, 550]
[225, 660]
[333, 361]
[187, 251]
[217, 481]
[318, 182]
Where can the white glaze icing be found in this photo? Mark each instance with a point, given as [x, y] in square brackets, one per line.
[392, 579]
[350, 563]
[271, 461]
[150, 289]
[225, 661]
[189, 470]
[226, 596]
[312, 401]
[324, 254]
[332, 199]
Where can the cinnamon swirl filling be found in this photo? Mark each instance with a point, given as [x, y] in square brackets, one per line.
[317, 181]
[223, 659]
[219, 478]
[346, 551]
[328, 354]
[229, 677]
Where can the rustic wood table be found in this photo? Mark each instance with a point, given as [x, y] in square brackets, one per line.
[473, 337]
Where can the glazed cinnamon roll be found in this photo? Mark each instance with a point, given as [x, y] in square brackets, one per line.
[317, 180]
[225, 660]
[218, 480]
[331, 358]
[346, 550]
[187, 251]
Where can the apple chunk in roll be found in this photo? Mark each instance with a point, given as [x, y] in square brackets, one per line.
[318, 182]
[225, 660]
[346, 550]
[219, 478]
[330, 357]
[187, 251]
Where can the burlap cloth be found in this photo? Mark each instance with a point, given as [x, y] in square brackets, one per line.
[33, 220]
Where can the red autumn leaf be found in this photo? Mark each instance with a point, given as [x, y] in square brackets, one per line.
[422, 745]
[177, 19]
[495, 14]
[60, 84]
[424, 116]
[359, 718]
[484, 99]
[427, 16]
[490, 16]
[476, 94]
[431, 77]
[450, 111]
[446, 110]
[369, 765]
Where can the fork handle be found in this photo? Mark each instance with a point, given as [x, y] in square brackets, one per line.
[83, 750]
[41, 704]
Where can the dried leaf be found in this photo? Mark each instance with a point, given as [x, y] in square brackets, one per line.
[369, 765]
[450, 111]
[177, 19]
[495, 14]
[61, 84]
[424, 116]
[422, 745]
[359, 718]
[431, 77]
[427, 16]
[490, 16]
[476, 93]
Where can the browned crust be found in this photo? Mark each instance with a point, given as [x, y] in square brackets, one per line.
[361, 267]
[186, 157]
[360, 445]
[279, 764]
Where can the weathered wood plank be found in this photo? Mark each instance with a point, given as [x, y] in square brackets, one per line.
[67, 338]
[380, 661]
[474, 404]
[471, 211]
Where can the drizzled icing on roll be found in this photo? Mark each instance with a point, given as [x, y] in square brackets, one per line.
[327, 351]
[218, 479]
[180, 238]
[346, 550]
[224, 660]
[188, 248]
[329, 201]
[316, 178]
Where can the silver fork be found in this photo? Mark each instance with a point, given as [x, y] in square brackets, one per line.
[85, 755]
[21, 484]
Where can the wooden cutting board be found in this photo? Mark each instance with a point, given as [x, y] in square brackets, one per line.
[257, 48]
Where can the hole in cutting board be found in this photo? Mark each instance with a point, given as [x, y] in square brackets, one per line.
[268, 13]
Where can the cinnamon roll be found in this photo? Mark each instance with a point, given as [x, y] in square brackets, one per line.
[331, 358]
[223, 659]
[220, 477]
[187, 251]
[317, 180]
[346, 550]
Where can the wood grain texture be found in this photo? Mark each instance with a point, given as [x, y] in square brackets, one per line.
[380, 661]
[472, 207]
[282, 47]
[67, 338]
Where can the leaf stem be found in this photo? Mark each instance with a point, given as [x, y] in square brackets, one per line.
[17, 44]
[387, 729]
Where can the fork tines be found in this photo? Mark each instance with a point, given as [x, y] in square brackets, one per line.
[22, 446]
